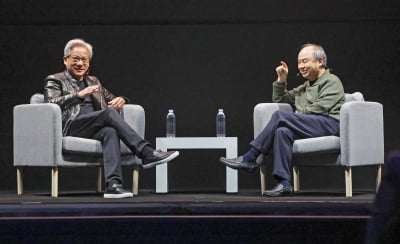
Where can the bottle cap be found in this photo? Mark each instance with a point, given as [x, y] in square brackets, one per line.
[170, 111]
[220, 110]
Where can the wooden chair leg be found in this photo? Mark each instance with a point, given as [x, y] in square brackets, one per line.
[296, 179]
[99, 179]
[263, 179]
[135, 180]
[20, 182]
[348, 182]
[379, 177]
[54, 182]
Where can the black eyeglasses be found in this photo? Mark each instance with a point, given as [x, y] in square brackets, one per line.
[76, 59]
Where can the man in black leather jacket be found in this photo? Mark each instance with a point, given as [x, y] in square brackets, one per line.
[91, 111]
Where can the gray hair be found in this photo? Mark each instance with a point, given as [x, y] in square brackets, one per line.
[319, 53]
[77, 43]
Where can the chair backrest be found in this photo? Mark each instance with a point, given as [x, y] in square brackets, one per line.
[37, 98]
[356, 96]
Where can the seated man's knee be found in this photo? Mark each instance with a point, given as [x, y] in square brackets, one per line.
[111, 112]
[109, 131]
[280, 114]
[283, 132]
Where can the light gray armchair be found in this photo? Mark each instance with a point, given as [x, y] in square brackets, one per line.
[360, 142]
[38, 142]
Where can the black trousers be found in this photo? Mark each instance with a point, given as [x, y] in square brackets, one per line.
[283, 129]
[108, 127]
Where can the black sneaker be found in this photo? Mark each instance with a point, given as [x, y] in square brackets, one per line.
[116, 191]
[159, 157]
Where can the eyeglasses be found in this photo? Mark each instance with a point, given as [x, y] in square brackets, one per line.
[76, 59]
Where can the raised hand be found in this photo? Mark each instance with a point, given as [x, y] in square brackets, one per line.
[282, 72]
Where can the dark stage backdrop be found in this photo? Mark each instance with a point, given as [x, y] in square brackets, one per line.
[196, 57]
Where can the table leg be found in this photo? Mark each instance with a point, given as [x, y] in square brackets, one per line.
[231, 174]
[162, 175]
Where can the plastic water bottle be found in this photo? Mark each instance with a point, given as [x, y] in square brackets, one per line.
[170, 123]
[220, 123]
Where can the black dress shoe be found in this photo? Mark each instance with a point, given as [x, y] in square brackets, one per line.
[238, 163]
[278, 191]
[158, 157]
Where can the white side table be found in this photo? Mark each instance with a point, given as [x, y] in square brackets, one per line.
[228, 143]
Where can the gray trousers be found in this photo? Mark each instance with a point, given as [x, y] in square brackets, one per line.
[284, 127]
[108, 127]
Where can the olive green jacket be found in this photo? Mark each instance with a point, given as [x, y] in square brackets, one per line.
[325, 96]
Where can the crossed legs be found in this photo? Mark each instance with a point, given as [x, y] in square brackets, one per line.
[277, 139]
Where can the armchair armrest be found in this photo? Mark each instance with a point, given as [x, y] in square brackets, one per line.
[263, 112]
[134, 115]
[37, 135]
[361, 133]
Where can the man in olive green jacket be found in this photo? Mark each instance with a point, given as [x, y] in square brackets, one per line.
[317, 103]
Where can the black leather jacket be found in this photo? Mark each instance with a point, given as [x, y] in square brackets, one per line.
[62, 89]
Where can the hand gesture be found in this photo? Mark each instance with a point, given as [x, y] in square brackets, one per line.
[282, 72]
[117, 103]
[88, 90]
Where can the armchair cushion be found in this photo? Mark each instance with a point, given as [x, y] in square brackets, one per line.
[37, 98]
[77, 145]
[355, 96]
[324, 144]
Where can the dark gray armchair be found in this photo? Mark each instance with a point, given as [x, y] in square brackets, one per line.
[38, 142]
[360, 142]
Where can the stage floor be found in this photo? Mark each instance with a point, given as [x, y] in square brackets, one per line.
[178, 204]
[246, 217]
